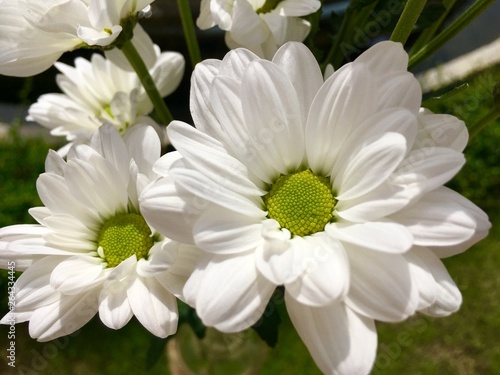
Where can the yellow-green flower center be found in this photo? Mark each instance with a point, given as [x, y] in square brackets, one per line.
[123, 236]
[301, 202]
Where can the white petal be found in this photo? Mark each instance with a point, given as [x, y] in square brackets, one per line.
[381, 285]
[72, 228]
[166, 206]
[384, 57]
[394, 120]
[344, 100]
[369, 166]
[28, 241]
[272, 115]
[297, 8]
[97, 187]
[221, 231]
[56, 196]
[200, 101]
[425, 169]
[226, 103]
[221, 12]
[168, 72]
[206, 189]
[95, 37]
[77, 274]
[114, 308]
[380, 202]
[153, 306]
[54, 16]
[246, 27]
[161, 256]
[204, 20]
[63, 317]
[400, 89]
[325, 278]
[421, 276]
[227, 291]
[340, 341]
[55, 163]
[483, 225]
[380, 236]
[438, 219]
[124, 269]
[447, 298]
[235, 63]
[209, 157]
[175, 278]
[108, 142]
[441, 130]
[33, 286]
[295, 59]
[162, 165]
[144, 147]
[279, 259]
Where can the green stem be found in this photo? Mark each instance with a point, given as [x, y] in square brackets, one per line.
[470, 14]
[147, 81]
[407, 20]
[189, 31]
[427, 35]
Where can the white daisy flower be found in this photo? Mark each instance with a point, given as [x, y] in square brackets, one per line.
[98, 91]
[333, 189]
[262, 26]
[35, 33]
[93, 251]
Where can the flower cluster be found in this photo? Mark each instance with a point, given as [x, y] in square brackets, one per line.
[35, 33]
[261, 26]
[326, 183]
[98, 91]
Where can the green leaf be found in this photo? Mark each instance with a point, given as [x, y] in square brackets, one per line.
[438, 100]
[268, 325]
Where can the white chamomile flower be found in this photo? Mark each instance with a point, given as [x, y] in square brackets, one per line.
[92, 250]
[332, 189]
[35, 33]
[98, 91]
[262, 26]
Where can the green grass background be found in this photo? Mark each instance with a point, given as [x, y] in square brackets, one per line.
[465, 343]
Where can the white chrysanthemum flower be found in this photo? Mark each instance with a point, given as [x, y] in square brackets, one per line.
[333, 189]
[35, 33]
[93, 251]
[262, 26]
[98, 91]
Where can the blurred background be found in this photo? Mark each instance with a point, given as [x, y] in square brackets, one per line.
[466, 343]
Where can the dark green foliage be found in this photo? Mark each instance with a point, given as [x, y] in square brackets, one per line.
[21, 162]
[480, 177]
[268, 325]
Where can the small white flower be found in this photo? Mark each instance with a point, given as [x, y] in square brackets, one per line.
[98, 91]
[262, 26]
[93, 251]
[333, 189]
[35, 33]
